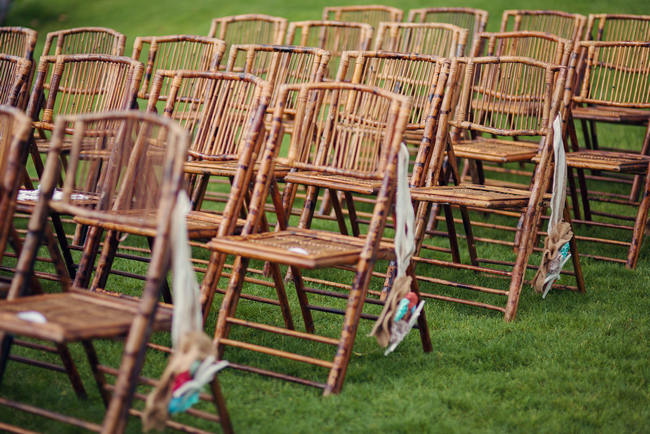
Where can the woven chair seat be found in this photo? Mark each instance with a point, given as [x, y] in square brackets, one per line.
[228, 168]
[611, 114]
[337, 182]
[607, 160]
[495, 150]
[200, 224]
[77, 315]
[480, 196]
[305, 248]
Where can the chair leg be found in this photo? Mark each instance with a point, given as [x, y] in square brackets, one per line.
[229, 302]
[282, 298]
[451, 231]
[105, 262]
[91, 248]
[220, 405]
[164, 287]
[639, 225]
[423, 327]
[302, 299]
[63, 244]
[100, 379]
[575, 256]
[71, 371]
[5, 348]
[469, 233]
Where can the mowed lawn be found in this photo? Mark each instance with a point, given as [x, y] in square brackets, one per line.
[569, 363]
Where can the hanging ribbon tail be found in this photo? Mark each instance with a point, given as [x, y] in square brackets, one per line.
[401, 304]
[556, 254]
[402, 328]
[183, 365]
[556, 246]
[192, 364]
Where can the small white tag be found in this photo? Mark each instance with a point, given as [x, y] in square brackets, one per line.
[32, 316]
[299, 250]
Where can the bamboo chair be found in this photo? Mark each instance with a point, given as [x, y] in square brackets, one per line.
[14, 133]
[562, 24]
[544, 47]
[367, 117]
[333, 36]
[612, 27]
[20, 41]
[369, 14]
[614, 83]
[528, 113]
[474, 20]
[14, 76]
[194, 53]
[224, 114]
[155, 147]
[84, 40]
[437, 39]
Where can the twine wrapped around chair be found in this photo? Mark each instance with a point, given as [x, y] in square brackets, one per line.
[401, 308]
[193, 362]
[556, 246]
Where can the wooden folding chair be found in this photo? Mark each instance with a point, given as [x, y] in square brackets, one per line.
[14, 132]
[369, 14]
[20, 41]
[84, 40]
[522, 111]
[438, 39]
[474, 20]
[333, 36]
[194, 53]
[224, 113]
[611, 86]
[145, 173]
[562, 24]
[352, 134]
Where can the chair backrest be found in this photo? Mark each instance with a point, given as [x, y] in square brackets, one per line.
[348, 129]
[280, 64]
[221, 110]
[544, 47]
[249, 29]
[369, 14]
[14, 132]
[615, 74]
[500, 96]
[195, 53]
[344, 128]
[420, 77]
[333, 36]
[562, 24]
[82, 83]
[14, 76]
[618, 27]
[84, 40]
[474, 20]
[18, 41]
[438, 39]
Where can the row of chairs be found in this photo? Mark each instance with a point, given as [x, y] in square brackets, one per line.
[302, 167]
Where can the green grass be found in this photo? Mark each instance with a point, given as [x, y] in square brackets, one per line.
[570, 363]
